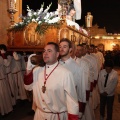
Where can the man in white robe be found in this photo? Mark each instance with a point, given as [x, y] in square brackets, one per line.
[53, 88]
[95, 75]
[89, 113]
[9, 78]
[100, 57]
[16, 69]
[65, 46]
[5, 91]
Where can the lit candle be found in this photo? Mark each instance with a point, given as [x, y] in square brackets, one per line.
[11, 4]
[14, 4]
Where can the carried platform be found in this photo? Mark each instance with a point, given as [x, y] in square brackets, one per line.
[29, 39]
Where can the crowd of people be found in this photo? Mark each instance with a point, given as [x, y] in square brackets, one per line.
[12, 69]
[68, 81]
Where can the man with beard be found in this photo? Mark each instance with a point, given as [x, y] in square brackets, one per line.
[53, 87]
[65, 47]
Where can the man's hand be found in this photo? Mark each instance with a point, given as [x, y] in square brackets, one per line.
[104, 94]
[30, 66]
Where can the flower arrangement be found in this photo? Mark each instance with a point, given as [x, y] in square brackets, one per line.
[40, 16]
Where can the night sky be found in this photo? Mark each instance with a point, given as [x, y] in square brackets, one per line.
[106, 13]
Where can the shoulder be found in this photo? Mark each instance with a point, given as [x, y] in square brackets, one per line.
[62, 69]
[102, 71]
[37, 69]
[114, 72]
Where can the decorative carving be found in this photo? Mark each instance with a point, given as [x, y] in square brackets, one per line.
[30, 40]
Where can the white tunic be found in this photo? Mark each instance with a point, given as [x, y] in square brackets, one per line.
[97, 60]
[60, 95]
[88, 77]
[16, 69]
[5, 96]
[94, 64]
[77, 72]
[101, 59]
[9, 78]
[111, 83]
[84, 65]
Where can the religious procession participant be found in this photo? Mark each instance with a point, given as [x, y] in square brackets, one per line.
[89, 113]
[65, 47]
[100, 57]
[7, 66]
[24, 59]
[5, 93]
[53, 88]
[91, 52]
[16, 69]
[107, 82]
[93, 62]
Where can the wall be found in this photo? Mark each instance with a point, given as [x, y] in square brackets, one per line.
[5, 18]
[108, 44]
[4, 21]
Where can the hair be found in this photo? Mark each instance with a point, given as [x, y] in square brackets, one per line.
[92, 45]
[109, 63]
[81, 45]
[2, 46]
[55, 45]
[66, 40]
[84, 44]
[70, 8]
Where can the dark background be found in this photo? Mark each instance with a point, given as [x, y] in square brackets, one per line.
[106, 13]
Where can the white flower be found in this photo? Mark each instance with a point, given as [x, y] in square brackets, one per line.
[21, 23]
[29, 14]
[39, 22]
[28, 9]
[37, 19]
[47, 16]
[39, 16]
[28, 21]
[48, 7]
[40, 11]
[33, 20]
[35, 13]
[46, 21]
[56, 13]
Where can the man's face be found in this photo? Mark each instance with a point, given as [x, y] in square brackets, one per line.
[79, 51]
[50, 55]
[91, 50]
[95, 50]
[64, 49]
[108, 69]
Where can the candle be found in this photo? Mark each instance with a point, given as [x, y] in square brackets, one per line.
[14, 4]
[11, 4]
[15, 1]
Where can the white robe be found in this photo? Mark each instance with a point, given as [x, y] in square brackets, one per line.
[86, 71]
[5, 97]
[77, 72]
[60, 95]
[93, 62]
[87, 68]
[9, 78]
[16, 69]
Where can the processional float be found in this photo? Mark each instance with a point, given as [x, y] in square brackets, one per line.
[34, 34]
